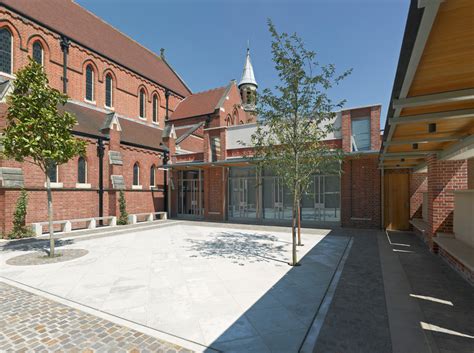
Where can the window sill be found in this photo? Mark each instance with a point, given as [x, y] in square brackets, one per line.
[55, 185]
[109, 108]
[155, 123]
[153, 187]
[137, 187]
[83, 186]
[142, 118]
[90, 102]
[7, 75]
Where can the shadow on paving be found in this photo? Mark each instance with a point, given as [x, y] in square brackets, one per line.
[445, 298]
[241, 247]
[280, 319]
[357, 320]
[35, 244]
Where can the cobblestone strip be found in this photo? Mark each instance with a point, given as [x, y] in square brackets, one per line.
[31, 323]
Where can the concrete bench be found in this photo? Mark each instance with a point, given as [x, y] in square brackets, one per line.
[419, 224]
[66, 225]
[458, 249]
[149, 217]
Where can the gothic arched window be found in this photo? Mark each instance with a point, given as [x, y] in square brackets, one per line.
[155, 108]
[136, 174]
[142, 103]
[81, 170]
[108, 90]
[89, 83]
[6, 58]
[153, 175]
[38, 52]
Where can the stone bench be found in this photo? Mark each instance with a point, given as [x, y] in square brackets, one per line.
[66, 225]
[458, 249]
[149, 217]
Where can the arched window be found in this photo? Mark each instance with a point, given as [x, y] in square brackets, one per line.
[89, 83]
[6, 59]
[81, 170]
[53, 172]
[142, 103]
[108, 90]
[38, 53]
[136, 174]
[153, 175]
[155, 108]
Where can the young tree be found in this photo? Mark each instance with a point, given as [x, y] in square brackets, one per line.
[20, 229]
[36, 131]
[295, 118]
[123, 218]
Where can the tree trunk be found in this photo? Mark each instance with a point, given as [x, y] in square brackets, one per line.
[299, 223]
[293, 234]
[50, 216]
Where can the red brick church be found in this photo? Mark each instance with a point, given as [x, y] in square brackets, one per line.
[149, 135]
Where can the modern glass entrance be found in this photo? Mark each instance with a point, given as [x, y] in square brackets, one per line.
[190, 194]
[266, 197]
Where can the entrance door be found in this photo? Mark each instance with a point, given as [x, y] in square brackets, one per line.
[190, 200]
[396, 201]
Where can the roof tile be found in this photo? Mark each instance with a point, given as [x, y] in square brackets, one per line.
[68, 18]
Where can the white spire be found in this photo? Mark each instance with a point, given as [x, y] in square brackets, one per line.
[247, 76]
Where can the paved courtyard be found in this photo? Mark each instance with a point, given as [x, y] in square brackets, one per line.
[225, 288]
[33, 323]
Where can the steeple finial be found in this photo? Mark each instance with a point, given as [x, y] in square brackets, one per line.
[248, 76]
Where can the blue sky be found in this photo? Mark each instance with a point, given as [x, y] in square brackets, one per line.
[205, 40]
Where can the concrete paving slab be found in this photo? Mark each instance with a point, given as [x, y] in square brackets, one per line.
[217, 286]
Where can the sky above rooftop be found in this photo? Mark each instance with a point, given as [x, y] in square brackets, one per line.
[206, 40]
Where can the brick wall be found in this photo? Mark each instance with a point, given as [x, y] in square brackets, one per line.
[215, 182]
[126, 85]
[470, 173]
[418, 186]
[443, 178]
[347, 115]
[360, 193]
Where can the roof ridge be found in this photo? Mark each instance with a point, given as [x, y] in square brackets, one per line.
[119, 31]
[210, 90]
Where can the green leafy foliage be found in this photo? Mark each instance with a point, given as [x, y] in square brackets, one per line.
[123, 218]
[36, 130]
[296, 117]
[20, 230]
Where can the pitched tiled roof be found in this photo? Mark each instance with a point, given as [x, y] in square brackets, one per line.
[198, 104]
[68, 18]
[91, 121]
[182, 134]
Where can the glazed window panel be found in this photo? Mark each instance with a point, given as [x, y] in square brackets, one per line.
[53, 172]
[5, 51]
[142, 104]
[155, 109]
[152, 176]
[108, 90]
[360, 134]
[89, 83]
[38, 52]
[136, 174]
[81, 171]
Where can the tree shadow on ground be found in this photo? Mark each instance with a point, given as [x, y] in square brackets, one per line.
[240, 247]
[35, 244]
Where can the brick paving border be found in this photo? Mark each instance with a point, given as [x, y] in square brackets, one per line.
[31, 323]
